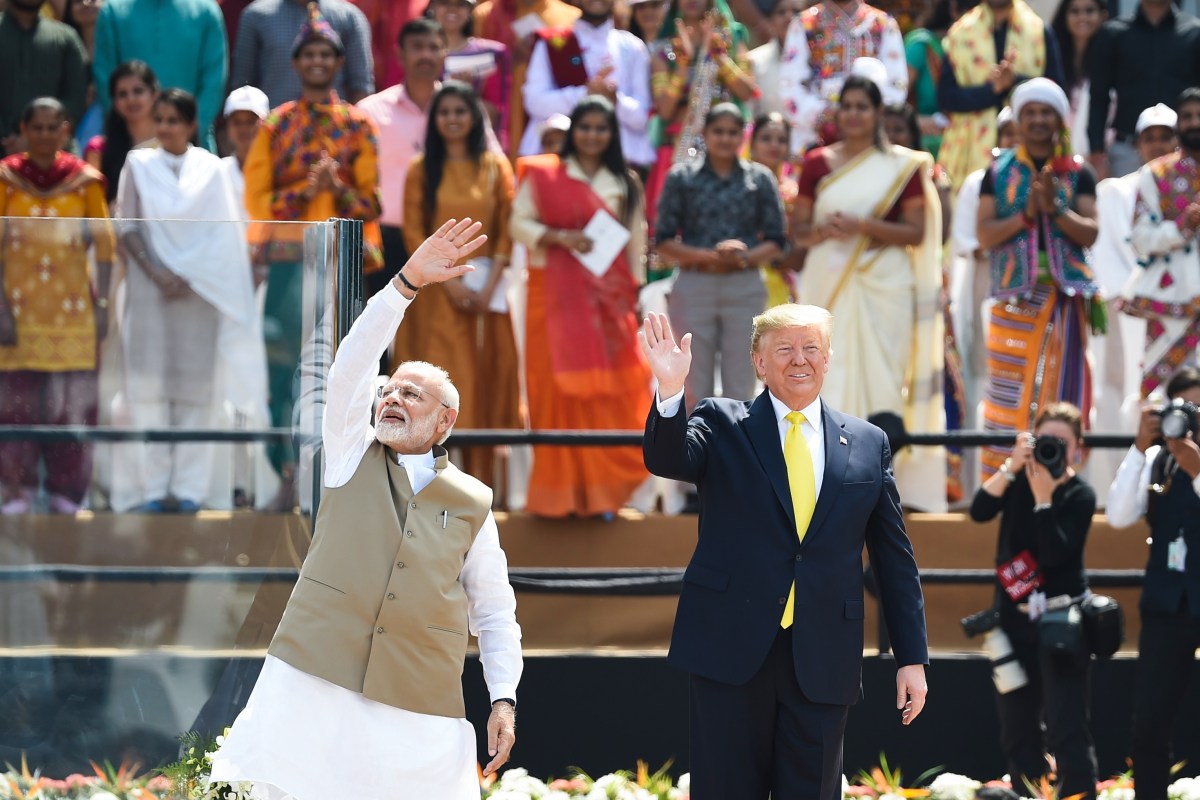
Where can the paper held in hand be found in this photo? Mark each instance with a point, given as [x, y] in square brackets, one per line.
[527, 25]
[609, 238]
[475, 65]
[478, 278]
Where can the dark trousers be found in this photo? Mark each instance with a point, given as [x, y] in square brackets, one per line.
[1166, 658]
[29, 397]
[283, 331]
[1048, 715]
[765, 738]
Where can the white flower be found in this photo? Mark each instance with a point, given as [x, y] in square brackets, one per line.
[888, 796]
[1115, 793]
[685, 782]
[556, 795]
[1184, 789]
[949, 786]
[506, 794]
[518, 780]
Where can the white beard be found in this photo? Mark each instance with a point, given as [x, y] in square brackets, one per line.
[408, 437]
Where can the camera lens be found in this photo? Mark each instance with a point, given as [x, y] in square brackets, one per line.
[1175, 423]
[1051, 452]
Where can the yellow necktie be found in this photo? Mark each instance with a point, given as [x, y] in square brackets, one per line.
[802, 482]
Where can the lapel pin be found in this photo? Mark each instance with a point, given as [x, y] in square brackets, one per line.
[842, 440]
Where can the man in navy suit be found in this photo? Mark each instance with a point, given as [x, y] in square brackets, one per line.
[771, 681]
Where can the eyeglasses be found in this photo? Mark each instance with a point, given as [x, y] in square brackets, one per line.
[409, 393]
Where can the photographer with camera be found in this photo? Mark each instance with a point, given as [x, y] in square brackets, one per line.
[1160, 479]
[1045, 512]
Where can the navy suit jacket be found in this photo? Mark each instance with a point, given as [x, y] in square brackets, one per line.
[748, 554]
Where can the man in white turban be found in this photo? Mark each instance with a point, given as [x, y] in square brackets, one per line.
[1037, 214]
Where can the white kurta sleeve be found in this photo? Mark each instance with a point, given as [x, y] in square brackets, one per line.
[542, 95]
[633, 98]
[346, 429]
[1127, 494]
[891, 53]
[492, 612]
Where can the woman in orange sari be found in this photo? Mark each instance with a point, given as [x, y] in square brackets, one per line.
[584, 369]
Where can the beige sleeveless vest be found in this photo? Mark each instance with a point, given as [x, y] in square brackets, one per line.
[379, 608]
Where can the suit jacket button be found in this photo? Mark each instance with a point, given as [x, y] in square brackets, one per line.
[799, 557]
[412, 505]
[399, 565]
[409, 534]
[379, 630]
[391, 596]
[783, 601]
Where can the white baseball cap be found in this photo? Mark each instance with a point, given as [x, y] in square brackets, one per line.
[1154, 116]
[248, 98]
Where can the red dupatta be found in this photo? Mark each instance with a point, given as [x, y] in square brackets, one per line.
[591, 328]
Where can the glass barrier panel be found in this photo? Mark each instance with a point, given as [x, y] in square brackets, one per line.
[160, 392]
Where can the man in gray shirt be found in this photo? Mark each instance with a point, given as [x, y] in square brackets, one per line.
[266, 32]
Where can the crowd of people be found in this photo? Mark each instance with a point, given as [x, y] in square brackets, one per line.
[960, 184]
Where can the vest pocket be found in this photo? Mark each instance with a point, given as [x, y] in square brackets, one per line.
[444, 630]
[326, 585]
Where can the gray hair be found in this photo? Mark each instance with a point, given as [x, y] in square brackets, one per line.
[446, 390]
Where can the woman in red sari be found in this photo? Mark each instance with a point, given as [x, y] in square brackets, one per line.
[584, 369]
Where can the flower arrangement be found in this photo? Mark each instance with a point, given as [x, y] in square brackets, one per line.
[187, 779]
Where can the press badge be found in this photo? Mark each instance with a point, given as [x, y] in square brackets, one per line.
[1177, 554]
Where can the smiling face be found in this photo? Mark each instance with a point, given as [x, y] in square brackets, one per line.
[132, 99]
[770, 144]
[412, 415]
[723, 138]
[1156, 142]
[423, 55]
[792, 362]
[452, 15]
[857, 117]
[1188, 126]
[591, 135]
[317, 63]
[1037, 123]
[650, 16]
[1084, 18]
[453, 118]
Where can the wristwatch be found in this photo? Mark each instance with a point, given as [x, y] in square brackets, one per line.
[508, 700]
[1007, 471]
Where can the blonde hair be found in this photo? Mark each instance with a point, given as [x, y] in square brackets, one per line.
[792, 315]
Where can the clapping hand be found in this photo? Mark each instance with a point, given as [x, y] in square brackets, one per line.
[1002, 76]
[436, 260]
[670, 362]
[1045, 190]
[843, 227]
[1191, 217]
[601, 83]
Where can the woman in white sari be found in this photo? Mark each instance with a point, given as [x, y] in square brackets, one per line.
[869, 215]
[190, 331]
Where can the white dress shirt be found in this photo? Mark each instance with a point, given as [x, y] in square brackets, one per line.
[602, 46]
[813, 429]
[1127, 496]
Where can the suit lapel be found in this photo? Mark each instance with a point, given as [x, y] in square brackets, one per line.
[837, 457]
[763, 429]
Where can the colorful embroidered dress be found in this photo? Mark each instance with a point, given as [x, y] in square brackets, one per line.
[1165, 290]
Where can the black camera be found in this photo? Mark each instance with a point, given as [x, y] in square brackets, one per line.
[1051, 453]
[1178, 419]
[980, 622]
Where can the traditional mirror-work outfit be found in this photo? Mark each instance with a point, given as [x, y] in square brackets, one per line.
[1047, 303]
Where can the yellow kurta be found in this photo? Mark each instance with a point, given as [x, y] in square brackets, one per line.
[46, 278]
[478, 350]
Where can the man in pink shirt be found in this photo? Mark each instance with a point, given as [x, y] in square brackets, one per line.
[401, 114]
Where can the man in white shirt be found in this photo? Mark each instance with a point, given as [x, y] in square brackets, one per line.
[615, 64]
[1167, 458]
[1116, 356]
[361, 691]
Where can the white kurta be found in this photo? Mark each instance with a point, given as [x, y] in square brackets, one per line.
[603, 47]
[303, 737]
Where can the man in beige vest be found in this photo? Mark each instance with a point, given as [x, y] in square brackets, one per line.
[361, 693]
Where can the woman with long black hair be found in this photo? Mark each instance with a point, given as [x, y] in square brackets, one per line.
[133, 88]
[463, 325]
[583, 367]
